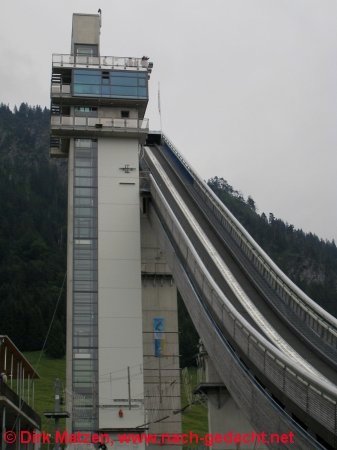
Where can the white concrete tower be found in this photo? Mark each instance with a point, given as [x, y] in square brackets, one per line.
[98, 105]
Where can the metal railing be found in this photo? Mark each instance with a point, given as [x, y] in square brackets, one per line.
[315, 397]
[256, 404]
[12, 397]
[98, 122]
[55, 142]
[319, 320]
[104, 62]
[155, 268]
[61, 88]
[144, 181]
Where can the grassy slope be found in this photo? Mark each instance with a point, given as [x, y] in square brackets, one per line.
[48, 369]
[194, 417]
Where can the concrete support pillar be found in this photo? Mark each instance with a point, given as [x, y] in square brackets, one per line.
[160, 337]
[224, 416]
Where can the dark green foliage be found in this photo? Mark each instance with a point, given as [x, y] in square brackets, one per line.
[56, 347]
[32, 227]
[309, 261]
[188, 338]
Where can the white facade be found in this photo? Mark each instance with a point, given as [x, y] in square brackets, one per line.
[120, 354]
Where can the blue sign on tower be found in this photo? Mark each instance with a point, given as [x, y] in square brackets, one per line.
[158, 332]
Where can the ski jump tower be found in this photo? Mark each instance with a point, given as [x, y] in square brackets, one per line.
[121, 298]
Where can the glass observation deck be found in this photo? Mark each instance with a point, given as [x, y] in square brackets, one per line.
[107, 78]
[98, 82]
[101, 87]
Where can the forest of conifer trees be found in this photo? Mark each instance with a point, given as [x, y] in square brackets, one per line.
[33, 195]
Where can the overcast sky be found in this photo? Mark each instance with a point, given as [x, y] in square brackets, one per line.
[248, 87]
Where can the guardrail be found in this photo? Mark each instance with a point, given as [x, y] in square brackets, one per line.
[60, 88]
[259, 408]
[155, 268]
[144, 181]
[19, 403]
[98, 122]
[319, 320]
[315, 397]
[104, 62]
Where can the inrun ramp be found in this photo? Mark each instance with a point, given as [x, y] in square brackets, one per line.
[274, 348]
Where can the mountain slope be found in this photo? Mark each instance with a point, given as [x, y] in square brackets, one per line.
[33, 238]
[32, 227]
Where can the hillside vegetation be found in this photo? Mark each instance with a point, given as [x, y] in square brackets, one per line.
[33, 239]
[48, 369]
[309, 261]
[32, 230]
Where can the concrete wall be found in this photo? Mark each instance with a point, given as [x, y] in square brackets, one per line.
[115, 113]
[119, 285]
[224, 416]
[85, 30]
[161, 374]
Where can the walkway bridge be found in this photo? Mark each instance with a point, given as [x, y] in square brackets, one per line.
[274, 348]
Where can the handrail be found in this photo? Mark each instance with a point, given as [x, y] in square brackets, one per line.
[105, 62]
[326, 323]
[301, 387]
[240, 381]
[19, 403]
[95, 122]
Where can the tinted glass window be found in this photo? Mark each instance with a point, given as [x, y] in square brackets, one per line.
[114, 83]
